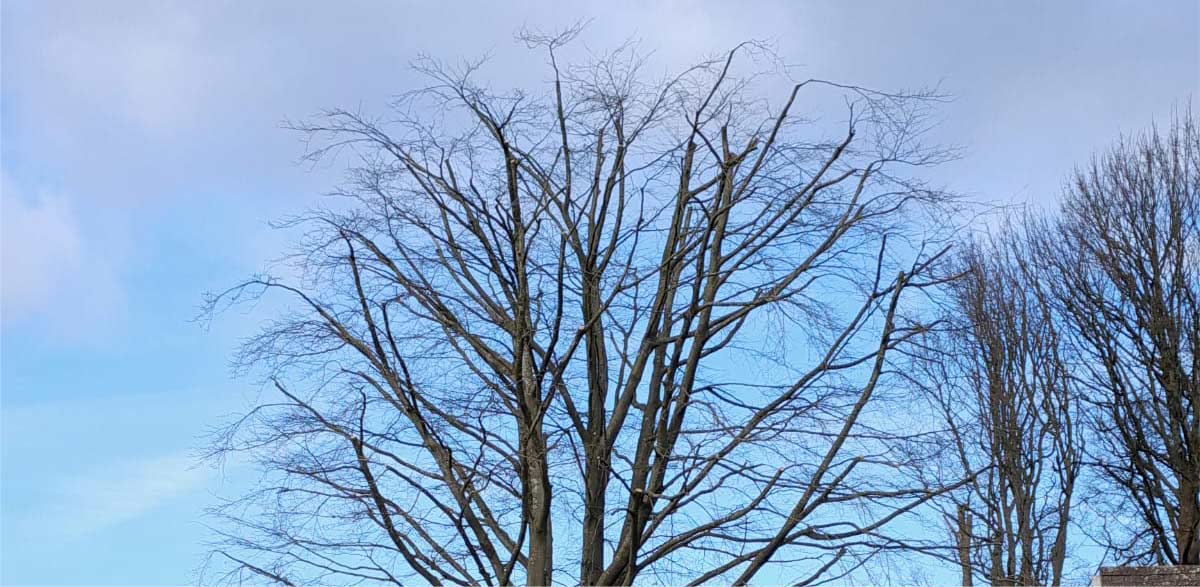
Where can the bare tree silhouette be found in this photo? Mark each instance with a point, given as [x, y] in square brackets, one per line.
[542, 340]
[1124, 265]
[1000, 376]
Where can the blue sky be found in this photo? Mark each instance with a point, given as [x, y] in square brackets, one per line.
[142, 160]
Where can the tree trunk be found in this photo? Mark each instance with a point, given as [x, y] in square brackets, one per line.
[962, 537]
[541, 547]
[1187, 531]
[596, 453]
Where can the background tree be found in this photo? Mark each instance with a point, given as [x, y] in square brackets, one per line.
[1124, 267]
[1000, 376]
[629, 329]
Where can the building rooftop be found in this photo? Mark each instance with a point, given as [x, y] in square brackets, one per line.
[1168, 576]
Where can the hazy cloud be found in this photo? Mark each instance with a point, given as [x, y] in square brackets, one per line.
[51, 272]
[41, 243]
[102, 497]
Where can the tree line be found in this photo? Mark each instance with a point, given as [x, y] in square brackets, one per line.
[665, 330]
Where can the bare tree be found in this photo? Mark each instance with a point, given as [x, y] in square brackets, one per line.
[1124, 263]
[1000, 377]
[630, 329]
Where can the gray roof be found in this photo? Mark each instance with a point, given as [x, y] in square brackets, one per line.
[1167, 576]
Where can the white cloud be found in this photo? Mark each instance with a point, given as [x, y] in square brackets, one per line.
[103, 497]
[144, 63]
[48, 269]
[75, 469]
[40, 247]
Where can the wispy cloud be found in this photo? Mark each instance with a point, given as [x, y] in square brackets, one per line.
[48, 262]
[41, 239]
[100, 498]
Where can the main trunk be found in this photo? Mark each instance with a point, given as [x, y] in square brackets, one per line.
[596, 469]
[592, 564]
[1187, 530]
[541, 545]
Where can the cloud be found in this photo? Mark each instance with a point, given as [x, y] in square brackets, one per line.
[104, 497]
[145, 64]
[50, 271]
[41, 246]
[76, 469]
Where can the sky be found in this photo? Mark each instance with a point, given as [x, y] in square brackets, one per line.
[142, 159]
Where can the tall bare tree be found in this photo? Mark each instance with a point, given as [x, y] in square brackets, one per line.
[628, 329]
[1124, 265]
[1000, 376]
